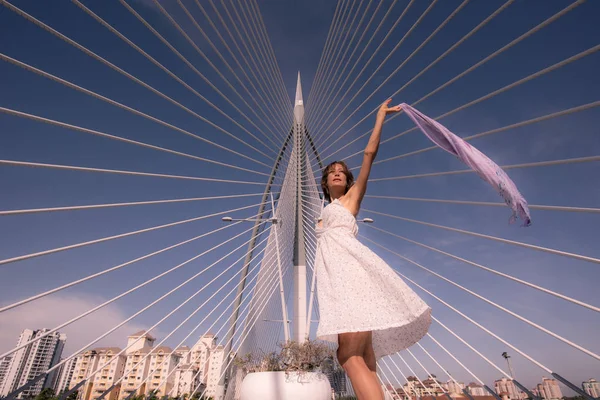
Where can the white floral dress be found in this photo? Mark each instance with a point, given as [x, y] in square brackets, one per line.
[358, 291]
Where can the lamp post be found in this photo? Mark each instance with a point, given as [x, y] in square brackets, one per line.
[512, 374]
[364, 220]
[506, 356]
[229, 219]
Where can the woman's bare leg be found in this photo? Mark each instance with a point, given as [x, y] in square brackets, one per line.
[371, 361]
[351, 351]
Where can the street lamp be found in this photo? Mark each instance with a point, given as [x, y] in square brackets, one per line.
[229, 219]
[365, 220]
[506, 356]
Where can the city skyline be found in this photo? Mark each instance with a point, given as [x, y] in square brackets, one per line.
[199, 366]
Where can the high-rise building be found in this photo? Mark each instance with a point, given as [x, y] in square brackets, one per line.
[197, 369]
[215, 369]
[454, 387]
[591, 387]
[187, 379]
[549, 389]
[415, 388]
[392, 392]
[64, 375]
[339, 382]
[4, 364]
[184, 354]
[200, 353]
[137, 364]
[336, 376]
[112, 365]
[475, 389]
[82, 379]
[139, 340]
[31, 361]
[162, 371]
[508, 387]
[433, 385]
[96, 371]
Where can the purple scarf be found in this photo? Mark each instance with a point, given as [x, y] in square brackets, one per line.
[479, 162]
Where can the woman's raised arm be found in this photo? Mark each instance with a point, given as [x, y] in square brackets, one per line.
[358, 190]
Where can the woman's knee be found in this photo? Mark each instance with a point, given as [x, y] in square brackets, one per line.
[351, 344]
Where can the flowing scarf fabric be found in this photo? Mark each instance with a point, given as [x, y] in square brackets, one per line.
[476, 160]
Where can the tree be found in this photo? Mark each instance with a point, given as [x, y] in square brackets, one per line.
[46, 394]
[73, 396]
[197, 396]
[152, 395]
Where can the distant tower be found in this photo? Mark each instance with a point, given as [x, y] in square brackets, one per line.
[300, 304]
[293, 165]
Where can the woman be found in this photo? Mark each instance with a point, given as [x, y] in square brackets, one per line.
[364, 305]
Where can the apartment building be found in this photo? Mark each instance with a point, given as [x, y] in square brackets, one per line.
[41, 351]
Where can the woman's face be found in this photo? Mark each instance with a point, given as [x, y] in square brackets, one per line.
[336, 178]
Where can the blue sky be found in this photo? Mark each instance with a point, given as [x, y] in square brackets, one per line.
[298, 31]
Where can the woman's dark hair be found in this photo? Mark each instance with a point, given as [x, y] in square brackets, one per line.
[345, 171]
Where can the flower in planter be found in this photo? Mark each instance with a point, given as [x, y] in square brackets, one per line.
[309, 356]
[305, 357]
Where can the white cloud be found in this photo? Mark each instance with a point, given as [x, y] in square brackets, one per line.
[52, 311]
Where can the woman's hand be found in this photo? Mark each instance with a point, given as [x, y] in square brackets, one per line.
[385, 109]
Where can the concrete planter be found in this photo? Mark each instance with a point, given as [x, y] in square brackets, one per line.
[285, 386]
